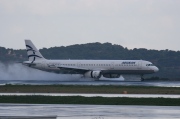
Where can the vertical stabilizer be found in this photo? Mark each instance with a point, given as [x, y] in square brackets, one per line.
[32, 52]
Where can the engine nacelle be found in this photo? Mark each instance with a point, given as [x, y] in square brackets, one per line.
[111, 75]
[93, 74]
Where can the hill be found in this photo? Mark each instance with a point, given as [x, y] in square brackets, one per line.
[166, 60]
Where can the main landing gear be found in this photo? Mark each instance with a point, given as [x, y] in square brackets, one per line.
[142, 79]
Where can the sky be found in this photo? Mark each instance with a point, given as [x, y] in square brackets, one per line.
[150, 24]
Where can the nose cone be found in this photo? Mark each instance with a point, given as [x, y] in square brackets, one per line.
[156, 69]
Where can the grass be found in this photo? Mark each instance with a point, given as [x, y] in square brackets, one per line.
[110, 89]
[89, 100]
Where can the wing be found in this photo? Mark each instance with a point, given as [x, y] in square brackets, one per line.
[73, 70]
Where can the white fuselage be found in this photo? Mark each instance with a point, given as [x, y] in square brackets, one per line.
[140, 67]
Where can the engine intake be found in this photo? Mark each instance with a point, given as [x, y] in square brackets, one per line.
[93, 74]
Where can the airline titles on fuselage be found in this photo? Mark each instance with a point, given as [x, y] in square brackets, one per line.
[128, 63]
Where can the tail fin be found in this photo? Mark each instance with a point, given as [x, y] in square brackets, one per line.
[32, 52]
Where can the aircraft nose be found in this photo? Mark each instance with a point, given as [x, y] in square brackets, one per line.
[156, 69]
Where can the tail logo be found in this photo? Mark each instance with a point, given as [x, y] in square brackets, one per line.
[34, 53]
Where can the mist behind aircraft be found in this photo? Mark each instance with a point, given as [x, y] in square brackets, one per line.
[15, 71]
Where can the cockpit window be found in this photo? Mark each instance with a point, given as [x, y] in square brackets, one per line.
[149, 65]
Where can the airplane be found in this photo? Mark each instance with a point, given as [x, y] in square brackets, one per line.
[88, 68]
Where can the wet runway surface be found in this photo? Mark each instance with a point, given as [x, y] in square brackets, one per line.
[94, 95]
[101, 82]
[91, 111]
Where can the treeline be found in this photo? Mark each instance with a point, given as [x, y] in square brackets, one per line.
[168, 61]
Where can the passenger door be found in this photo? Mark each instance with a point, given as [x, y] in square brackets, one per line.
[140, 65]
[112, 65]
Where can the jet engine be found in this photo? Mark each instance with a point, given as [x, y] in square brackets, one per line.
[111, 75]
[93, 74]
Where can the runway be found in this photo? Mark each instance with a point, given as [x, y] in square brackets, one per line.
[101, 82]
[94, 95]
[91, 111]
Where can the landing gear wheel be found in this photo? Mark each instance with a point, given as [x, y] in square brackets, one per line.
[142, 79]
[96, 79]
